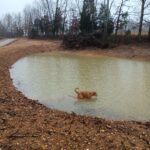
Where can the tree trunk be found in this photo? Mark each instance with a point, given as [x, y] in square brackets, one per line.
[107, 19]
[141, 19]
[118, 19]
[55, 21]
[65, 16]
[149, 32]
[49, 12]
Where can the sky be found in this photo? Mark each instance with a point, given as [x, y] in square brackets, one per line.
[16, 6]
[13, 6]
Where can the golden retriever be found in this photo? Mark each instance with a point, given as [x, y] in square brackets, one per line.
[85, 94]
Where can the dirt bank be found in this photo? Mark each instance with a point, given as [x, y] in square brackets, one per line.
[136, 52]
[25, 124]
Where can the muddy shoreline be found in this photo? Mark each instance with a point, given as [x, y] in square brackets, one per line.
[26, 124]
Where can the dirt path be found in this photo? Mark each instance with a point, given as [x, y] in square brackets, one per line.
[26, 124]
[5, 42]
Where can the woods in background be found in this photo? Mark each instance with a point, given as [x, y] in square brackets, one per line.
[56, 18]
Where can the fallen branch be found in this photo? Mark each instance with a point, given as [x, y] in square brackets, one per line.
[21, 136]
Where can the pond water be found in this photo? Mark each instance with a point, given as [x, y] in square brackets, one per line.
[123, 86]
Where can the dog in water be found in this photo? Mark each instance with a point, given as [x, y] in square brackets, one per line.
[85, 94]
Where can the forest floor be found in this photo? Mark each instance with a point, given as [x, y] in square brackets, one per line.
[26, 124]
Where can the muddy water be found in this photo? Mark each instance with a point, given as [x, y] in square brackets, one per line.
[123, 86]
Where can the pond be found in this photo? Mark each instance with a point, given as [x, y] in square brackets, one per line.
[122, 85]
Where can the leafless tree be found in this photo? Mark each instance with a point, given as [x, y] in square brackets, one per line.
[49, 9]
[64, 15]
[8, 21]
[79, 5]
[119, 13]
[144, 5]
[29, 17]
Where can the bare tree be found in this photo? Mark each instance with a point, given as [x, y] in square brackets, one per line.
[11, 25]
[29, 17]
[119, 14]
[65, 16]
[8, 21]
[18, 20]
[49, 10]
[78, 4]
[144, 6]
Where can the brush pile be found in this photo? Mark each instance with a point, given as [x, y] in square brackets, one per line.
[95, 39]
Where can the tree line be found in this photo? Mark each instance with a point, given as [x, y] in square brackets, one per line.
[56, 18]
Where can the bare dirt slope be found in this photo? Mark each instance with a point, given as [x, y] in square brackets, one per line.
[25, 124]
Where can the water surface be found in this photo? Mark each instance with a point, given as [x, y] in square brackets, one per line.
[123, 86]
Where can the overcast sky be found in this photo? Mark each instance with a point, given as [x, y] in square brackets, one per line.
[13, 6]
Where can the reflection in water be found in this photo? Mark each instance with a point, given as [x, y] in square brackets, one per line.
[123, 86]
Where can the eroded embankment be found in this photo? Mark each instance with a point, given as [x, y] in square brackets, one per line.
[25, 124]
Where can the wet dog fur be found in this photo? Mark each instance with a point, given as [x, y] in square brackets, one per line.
[84, 94]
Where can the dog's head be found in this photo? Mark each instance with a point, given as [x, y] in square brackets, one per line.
[94, 94]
